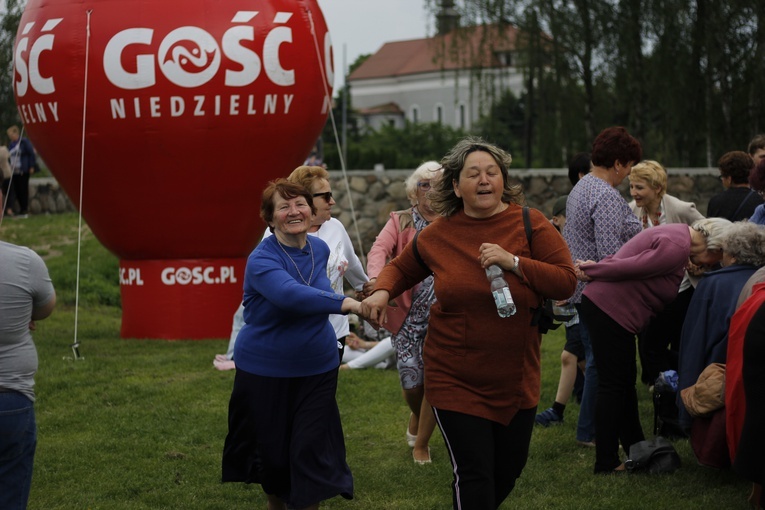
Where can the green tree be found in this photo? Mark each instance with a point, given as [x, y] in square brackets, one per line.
[504, 125]
[397, 148]
[9, 24]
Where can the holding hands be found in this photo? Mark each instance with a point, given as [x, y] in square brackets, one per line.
[579, 268]
[369, 309]
[368, 288]
[374, 307]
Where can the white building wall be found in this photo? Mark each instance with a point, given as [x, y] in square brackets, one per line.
[426, 91]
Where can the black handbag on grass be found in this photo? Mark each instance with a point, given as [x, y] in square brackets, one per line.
[654, 456]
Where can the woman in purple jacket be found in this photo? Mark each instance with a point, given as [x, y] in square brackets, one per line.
[625, 290]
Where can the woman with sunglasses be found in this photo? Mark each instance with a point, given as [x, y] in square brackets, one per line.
[343, 262]
[408, 321]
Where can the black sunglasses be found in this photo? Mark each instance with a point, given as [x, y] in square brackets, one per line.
[327, 195]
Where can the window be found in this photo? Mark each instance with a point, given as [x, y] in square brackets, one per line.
[439, 114]
[415, 114]
[505, 58]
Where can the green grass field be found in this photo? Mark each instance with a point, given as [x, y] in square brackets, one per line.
[140, 424]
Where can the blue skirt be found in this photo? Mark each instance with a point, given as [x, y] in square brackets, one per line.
[286, 435]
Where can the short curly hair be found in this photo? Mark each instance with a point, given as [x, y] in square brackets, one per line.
[745, 242]
[428, 171]
[615, 144]
[737, 165]
[714, 231]
[285, 189]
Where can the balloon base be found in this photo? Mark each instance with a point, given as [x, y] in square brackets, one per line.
[179, 299]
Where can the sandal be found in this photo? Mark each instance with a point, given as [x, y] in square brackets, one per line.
[422, 461]
[410, 438]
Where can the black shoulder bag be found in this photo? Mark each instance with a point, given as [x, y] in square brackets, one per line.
[543, 317]
[417, 252]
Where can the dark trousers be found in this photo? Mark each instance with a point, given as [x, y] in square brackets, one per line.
[616, 405]
[659, 344]
[9, 194]
[19, 190]
[18, 441]
[487, 456]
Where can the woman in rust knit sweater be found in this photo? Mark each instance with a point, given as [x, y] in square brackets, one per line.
[482, 371]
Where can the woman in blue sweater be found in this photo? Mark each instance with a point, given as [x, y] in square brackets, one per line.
[284, 425]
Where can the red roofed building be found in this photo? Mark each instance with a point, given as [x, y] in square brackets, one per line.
[428, 80]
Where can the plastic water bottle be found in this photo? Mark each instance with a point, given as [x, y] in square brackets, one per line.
[500, 291]
[564, 313]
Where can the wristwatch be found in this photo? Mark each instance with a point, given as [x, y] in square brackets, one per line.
[516, 262]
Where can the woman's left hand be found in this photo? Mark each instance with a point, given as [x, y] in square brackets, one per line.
[494, 254]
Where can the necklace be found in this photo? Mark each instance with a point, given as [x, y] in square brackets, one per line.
[655, 218]
[310, 277]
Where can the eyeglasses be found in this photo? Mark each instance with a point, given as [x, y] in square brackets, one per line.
[326, 195]
[721, 177]
[425, 185]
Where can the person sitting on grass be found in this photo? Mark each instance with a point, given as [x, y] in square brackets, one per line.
[368, 349]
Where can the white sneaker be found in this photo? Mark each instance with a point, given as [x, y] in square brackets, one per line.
[224, 365]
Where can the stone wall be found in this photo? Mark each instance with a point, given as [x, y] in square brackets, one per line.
[47, 197]
[376, 194]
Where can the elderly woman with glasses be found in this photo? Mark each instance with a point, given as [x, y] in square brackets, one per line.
[408, 321]
[343, 262]
[705, 331]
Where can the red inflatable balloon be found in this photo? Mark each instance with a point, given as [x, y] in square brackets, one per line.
[189, 108]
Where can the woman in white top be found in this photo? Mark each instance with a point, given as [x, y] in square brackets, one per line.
[343, 262]
[659, 343]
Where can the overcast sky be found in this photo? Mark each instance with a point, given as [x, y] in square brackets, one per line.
[362, 26]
